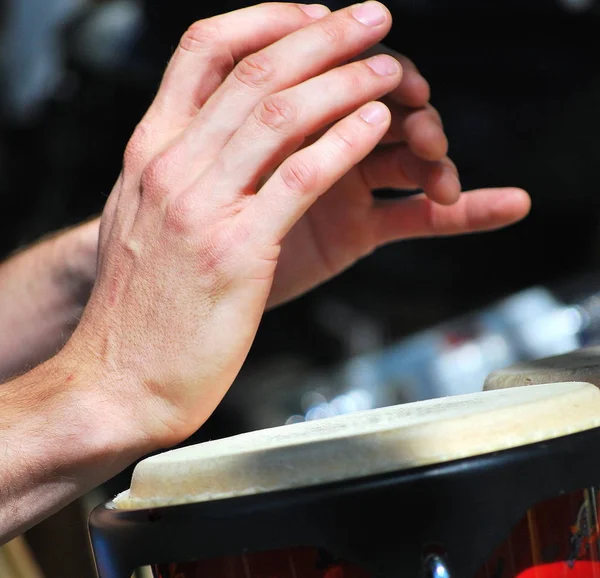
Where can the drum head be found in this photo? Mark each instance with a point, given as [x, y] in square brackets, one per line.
[362, 444]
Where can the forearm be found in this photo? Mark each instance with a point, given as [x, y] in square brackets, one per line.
[58, 439]
[43, 290]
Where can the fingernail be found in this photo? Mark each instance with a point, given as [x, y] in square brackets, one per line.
[369, 13]
[374, 113]
[315, 11]
[383, 65]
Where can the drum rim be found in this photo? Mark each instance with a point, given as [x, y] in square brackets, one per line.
[570, 458]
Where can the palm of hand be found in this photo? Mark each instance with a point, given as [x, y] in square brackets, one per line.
[335, 232]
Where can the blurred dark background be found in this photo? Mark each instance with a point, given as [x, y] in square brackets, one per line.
[517, 88]
[517, 84]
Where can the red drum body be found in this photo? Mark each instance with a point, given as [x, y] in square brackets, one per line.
[288, 563]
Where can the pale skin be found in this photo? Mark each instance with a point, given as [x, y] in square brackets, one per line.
[248, 182]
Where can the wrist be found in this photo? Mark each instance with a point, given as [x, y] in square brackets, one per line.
[118, 414]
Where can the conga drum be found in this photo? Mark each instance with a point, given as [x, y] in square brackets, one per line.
[579, 365]
[497, 484]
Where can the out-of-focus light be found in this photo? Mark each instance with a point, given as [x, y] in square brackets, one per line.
[577, 5]
[294, 419]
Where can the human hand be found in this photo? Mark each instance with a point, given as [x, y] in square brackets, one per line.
[190, 240]
[347, 223]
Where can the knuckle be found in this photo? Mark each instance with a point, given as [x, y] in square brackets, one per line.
[254, 71]
[217, 252]
[356, 75]
[298, 176]
[154, 181]
[276, 112]
[135, 151]
[178, 216]
[416, 119]
[200, 36]
[343, 140]
[334, 32]
[434, 115]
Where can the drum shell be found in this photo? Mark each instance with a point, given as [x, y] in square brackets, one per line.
[449, 504]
